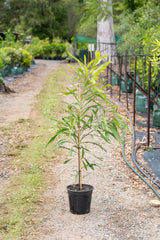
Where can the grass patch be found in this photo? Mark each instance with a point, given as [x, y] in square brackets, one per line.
[29, 164]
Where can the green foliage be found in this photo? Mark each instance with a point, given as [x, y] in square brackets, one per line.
[139, 28]
[132, 5]
[143, 66]
[143, 70]
[46, 48]
[16, 53]
[12, 52]
[26, 58]
[149, 148]
[58, 48]
[35, 47]
[93, 10]
[96, 8]
[149, 37]
[10, 40]
[13, 56]
[3, 58]
[1, 80]
[155, 62]
[90, 115]
[42, 18]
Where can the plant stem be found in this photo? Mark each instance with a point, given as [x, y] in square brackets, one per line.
[79, 142]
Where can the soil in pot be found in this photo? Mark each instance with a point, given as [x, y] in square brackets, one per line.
[80, 201]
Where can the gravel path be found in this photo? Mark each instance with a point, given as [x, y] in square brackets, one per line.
[119, 210]
[20, 104]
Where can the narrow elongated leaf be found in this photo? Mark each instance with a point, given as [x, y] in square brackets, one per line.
[59, 144]
[66, 161]
[69, 91]
[115, 133]
[58, 133]
[102, 136]
[91, 165]
[87, 134]
[85, 166]
[83, 152]
[96, 144]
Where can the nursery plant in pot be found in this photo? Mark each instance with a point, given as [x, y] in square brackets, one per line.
[90, 115]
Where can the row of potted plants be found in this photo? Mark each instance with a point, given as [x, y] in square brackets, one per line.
[10, 70]
[46, 49]
[21, 52]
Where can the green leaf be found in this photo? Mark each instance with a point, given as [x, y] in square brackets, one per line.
[96, 144]
[85, 166]
[83, 152]
[59, 144]
[58, 133]
[66, 161]
[91, 165]
[102, 136]
[115, 133]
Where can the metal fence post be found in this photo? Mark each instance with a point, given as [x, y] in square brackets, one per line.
[126, 79]
[149, 85]
[134, 91]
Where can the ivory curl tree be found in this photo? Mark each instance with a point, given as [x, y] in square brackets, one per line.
[88, 116]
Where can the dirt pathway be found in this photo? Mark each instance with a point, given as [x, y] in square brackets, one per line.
[19, 104]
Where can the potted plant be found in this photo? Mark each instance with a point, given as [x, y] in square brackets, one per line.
[88, 116]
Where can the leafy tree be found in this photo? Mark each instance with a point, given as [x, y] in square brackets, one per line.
[67, 23]
[42, 18]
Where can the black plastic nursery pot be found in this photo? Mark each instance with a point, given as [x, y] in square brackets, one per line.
[80, 201]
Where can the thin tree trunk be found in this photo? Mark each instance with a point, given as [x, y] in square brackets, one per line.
[79, 143]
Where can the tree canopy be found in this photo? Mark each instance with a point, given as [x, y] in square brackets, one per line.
[42, 18]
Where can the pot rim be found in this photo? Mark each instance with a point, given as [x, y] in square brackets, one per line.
[88, 185]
